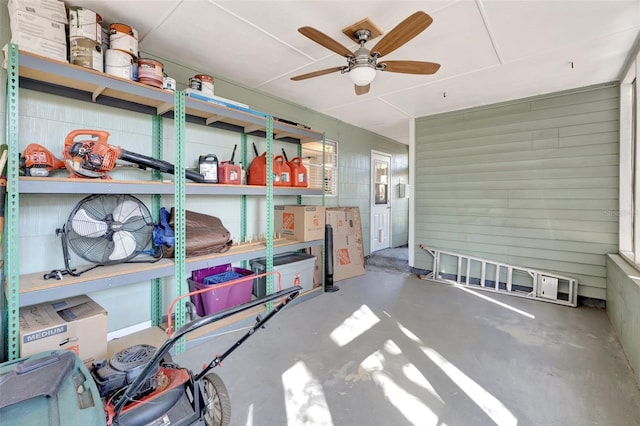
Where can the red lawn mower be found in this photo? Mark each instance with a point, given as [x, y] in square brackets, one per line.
[140, 385]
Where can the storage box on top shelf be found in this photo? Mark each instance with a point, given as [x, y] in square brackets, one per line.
[300, 222]
[348, 253]
[22, 22]
[41, 46]
[77, 323]
[50, 9]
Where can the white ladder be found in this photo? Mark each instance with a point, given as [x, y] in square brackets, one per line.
[529, 283]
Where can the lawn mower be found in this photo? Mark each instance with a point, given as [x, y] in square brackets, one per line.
[140, 385]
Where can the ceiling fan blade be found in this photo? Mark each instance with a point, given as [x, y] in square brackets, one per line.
[317, 73]
[124, 245]
[125, 211]
[326, 41]
[86, 226]
[361, 90]
[402, 33]
[410, 67]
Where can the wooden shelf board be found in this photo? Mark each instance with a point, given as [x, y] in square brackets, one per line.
[35, 281]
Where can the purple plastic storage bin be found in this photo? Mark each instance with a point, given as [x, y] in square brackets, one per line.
[212, 301]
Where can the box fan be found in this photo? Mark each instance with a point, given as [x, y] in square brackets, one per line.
[105, 229]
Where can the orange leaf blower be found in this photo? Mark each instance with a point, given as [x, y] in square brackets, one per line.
[93, 158]
[39, 161]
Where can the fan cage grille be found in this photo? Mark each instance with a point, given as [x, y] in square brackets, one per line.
[109, 229]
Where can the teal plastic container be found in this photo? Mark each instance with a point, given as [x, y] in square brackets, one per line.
[49, 388]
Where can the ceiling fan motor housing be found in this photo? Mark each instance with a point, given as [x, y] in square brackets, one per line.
[362, 68]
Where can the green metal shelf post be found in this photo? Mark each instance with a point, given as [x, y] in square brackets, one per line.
[180, 214]
[269, 232]
[156, 283]
[12, 207]
[243, 197]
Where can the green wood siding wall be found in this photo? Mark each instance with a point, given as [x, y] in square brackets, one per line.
[532, 182]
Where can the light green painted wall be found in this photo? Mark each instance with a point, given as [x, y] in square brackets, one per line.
[533, 183]
[623, 300]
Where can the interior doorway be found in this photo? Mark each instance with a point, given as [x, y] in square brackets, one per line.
[380, 201]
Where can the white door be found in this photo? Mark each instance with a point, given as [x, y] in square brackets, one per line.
[380, 201]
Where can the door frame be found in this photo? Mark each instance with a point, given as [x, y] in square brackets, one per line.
[372, 194]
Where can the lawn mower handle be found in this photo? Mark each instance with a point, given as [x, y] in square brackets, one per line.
[289, 294]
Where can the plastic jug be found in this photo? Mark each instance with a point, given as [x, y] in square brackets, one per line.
[281, 171]
[299, 176]
[208, 167]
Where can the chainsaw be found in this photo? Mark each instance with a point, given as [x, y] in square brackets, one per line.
[94, 157]
[39, 161]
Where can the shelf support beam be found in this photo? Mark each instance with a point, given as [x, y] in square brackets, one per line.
[212, 119]
[254, 127]
[168, 106]
[96, 93]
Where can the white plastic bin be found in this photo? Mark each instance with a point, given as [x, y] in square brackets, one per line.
[295, 268]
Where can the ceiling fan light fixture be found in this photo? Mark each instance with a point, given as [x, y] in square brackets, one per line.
[362, 75]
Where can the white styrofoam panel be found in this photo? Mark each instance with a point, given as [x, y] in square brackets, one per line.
[380, 113]
[257, 45]
[204, 34]
[526, 28]
[528, 77]
[142, 15]
[281, 20]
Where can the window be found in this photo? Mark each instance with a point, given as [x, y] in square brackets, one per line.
[629, 236]
[312, 156]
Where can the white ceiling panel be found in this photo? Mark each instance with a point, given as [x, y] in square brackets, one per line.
[525, 28]
[143, 15]
[204, 32]
[489, 50]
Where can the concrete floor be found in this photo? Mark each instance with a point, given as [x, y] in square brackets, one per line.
[390, 349]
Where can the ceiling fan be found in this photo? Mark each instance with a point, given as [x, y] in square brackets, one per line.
[363, 63]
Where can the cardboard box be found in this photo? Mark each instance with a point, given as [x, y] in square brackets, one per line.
[77, 323]
[347, 259]
[348, 253]
[37, 26]
[41, 46]
[50, 9]
[300, 223]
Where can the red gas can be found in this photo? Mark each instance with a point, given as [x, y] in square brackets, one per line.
[281, 171]
[229, 173]
[299, 176]
[258, 170]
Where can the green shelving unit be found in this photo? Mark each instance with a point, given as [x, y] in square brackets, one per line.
[61, 79]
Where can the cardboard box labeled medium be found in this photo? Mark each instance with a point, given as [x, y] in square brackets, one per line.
[300, 223]
[77, 323]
